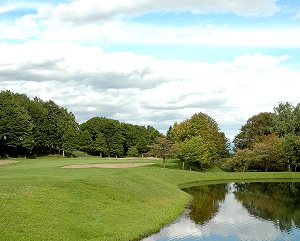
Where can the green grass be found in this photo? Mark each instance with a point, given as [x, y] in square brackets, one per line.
[41, 201]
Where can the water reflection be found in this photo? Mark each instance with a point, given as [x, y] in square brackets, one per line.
[238, 211]
[275, 202]
[206, 202]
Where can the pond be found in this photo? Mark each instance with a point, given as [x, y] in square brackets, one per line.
[238, 211]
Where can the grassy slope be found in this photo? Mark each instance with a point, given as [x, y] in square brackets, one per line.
[40, 201]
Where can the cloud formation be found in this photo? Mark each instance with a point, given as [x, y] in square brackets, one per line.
[143, 90]
[109, 58]
[82, 11]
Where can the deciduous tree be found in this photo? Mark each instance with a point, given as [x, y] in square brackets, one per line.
[195, 152]
[201, 125]
[284, 120]
[162, 148]
[257, 125]
[15, 125]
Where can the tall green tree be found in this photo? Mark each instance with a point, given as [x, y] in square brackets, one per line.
[202, 125]
[34, 126]
[265, 154]
[100, 145]
[258, 125]
[133, 152]
[142, 146]
[195, 152]
[15, 125]
[284, 120]
[38, 113]
[56, 126]
[70, 137]
[85, 141]
[115, 145]
[68, 129]
[242, 161]
[110, 129]
[152, 134]
[289, 150]
[297, 119]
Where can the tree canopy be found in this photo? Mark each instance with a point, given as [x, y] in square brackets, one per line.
[269, 141]
[117, 139]
[162, 148]
[33, 126]
[199, 141]
[37, 127]
[257, 125]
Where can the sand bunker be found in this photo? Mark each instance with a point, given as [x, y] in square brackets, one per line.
[6, 162]
[117, 165]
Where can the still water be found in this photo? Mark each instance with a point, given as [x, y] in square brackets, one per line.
[238, 211]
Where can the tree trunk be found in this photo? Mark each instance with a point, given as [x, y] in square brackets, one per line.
[183, 166]
[164, 162]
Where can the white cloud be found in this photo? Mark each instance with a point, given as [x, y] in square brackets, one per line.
[143, 90]
[4, 9]
[81, 11]
[111, 31]
[22, 28]
[119, 32]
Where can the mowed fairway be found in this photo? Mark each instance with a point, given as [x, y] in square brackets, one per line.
[39, 200]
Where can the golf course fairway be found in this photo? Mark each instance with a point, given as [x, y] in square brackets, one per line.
[40, 200]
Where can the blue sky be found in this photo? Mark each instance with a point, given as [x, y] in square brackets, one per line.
[156, 63]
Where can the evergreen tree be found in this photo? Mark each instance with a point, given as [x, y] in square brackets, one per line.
[100, 145]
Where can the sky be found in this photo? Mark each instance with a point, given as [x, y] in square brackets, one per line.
[151, 62]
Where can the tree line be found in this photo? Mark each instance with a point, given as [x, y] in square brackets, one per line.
[33, 127]
[268, 141]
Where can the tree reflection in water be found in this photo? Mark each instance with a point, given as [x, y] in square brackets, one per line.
[275, 202]
[238, 211]
[206, 202]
